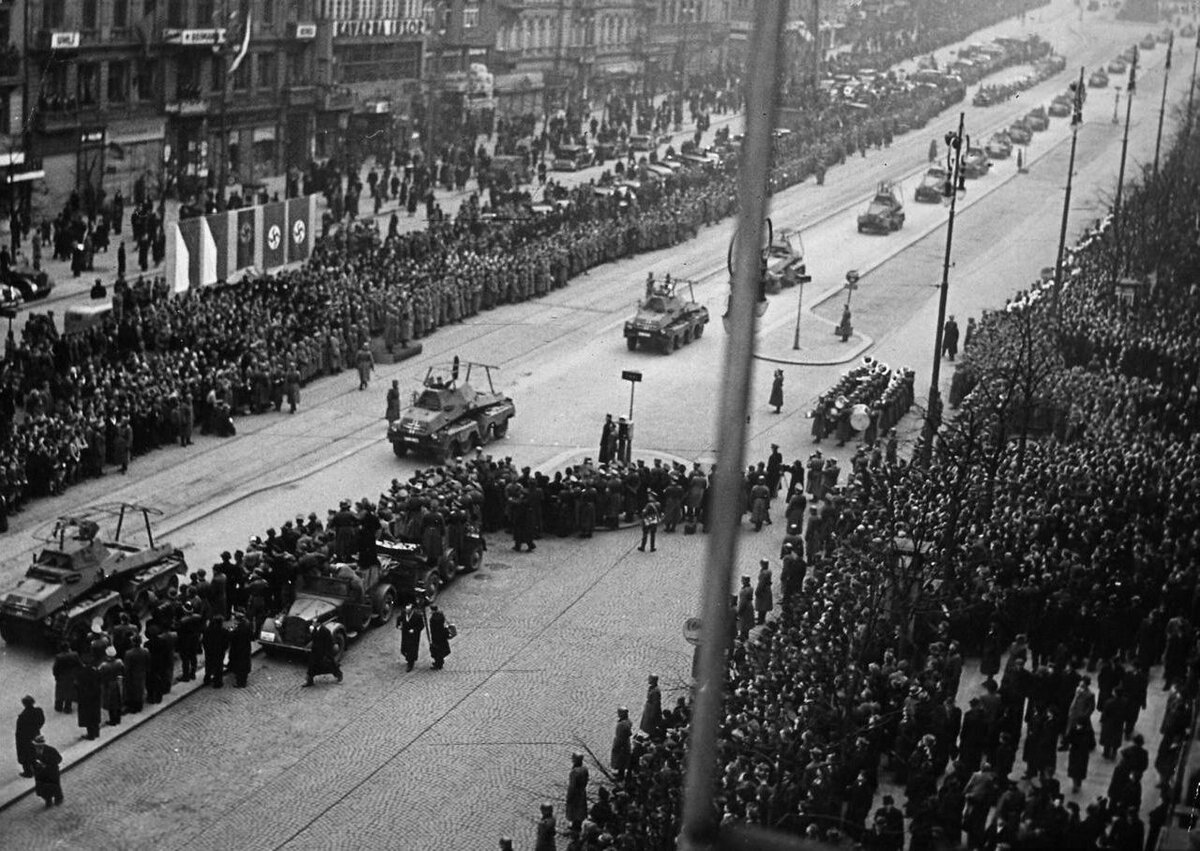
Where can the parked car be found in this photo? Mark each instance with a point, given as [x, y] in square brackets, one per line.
[999, 147]
[932, 187]
[1098, 79]
[1061, 106]
[1148, 42]
[1188, 31]
[29, 282]
[572, 158]
[615, 149]
[10, 298]
[1118, 65]
[641, 143]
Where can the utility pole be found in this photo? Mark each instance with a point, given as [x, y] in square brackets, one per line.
[1162, 107]
[1076, 121]
[956, 146]
[1192, 87]
[1129, 90]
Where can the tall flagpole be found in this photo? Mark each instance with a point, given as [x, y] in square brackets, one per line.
[1129, 90]
[1192, 87]
[1076, 120]
[1162, 106]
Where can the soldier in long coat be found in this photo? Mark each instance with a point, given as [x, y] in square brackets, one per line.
[112, 684]
[622, 744]
[137, 666]
[577, 797]
[66, 666]
[365, 363]
[651, 722]
[89, 693]
[240, 647]
[411, 624]
[439, 638]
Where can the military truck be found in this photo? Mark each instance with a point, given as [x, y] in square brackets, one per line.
[449, 417]
[348, 599]
[664, 319]
[785, 261]
[79, 576]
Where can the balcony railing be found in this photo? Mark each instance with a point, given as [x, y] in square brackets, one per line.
[58, 114]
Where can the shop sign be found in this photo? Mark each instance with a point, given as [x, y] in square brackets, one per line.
[306, 32]
[64, 41]
[379, 27]
[193, 38]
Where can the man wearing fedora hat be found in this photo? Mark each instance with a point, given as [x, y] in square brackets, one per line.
[46, 772]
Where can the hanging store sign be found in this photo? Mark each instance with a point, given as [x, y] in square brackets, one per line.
[306, 32]
[379, 27]
[64, 41]
[192, 38]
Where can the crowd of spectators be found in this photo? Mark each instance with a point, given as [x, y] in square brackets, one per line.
[163, 365]
[1065, 561]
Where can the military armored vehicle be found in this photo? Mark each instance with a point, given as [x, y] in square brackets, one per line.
[785, 261]
[79, 576]
[449, 417]
[664, 319]
[348, 599]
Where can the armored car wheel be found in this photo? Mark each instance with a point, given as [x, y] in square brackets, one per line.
[687, 336]
[400, 449]
[475, 560]
[339, 645]
[9, 634]
[698, 333]
[631, 343]
[433, 584]
[500, 429]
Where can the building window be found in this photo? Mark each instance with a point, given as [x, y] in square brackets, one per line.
[216, 69]
[389, 9]
[380, 61]
[268, 13]
[88, 18]
[470, 17]
[205, 14]
[118, 82]
[120, 18]
[143, 82]
[241, 77]
[176, 14]
[297, 71]
[87, 78]
[52, 14]
[266, 71]
[5, 113]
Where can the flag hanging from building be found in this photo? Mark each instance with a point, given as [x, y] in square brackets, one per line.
[243, 46]
[209, 249]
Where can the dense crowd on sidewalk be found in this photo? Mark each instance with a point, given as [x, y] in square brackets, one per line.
[163, 365]
[1061, 530]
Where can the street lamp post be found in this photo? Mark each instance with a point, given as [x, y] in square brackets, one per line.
[799, 312]
[1116, 104]
[1192, 87]
[1162, 107]
[1076, 120]
[956, 146]
[1130, 88]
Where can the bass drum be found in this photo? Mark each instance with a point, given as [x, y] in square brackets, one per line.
[860, 417]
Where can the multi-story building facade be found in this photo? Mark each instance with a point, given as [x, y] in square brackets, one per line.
[549, 52]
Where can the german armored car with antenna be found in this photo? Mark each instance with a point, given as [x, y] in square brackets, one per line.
[79, 576]
[665, 320]
[449, 417]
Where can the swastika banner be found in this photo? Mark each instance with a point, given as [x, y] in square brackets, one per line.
[274, 218]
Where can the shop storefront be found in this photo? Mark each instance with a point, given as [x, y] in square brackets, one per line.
[519, 94]
[133, 158]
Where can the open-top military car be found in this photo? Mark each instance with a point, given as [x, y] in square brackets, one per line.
[885, 213]
[449, 417]
[975, 163]
[346, 599]
[79, 576]
[666, 320]
[999, 146]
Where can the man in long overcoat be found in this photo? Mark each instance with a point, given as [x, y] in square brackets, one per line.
[29, 727]
[240, 647]
[89, 693]
[216, 644]
[47, 773]
[439, 637]
[577, 797]
[66, 665]
[411, 624]
[622, 745]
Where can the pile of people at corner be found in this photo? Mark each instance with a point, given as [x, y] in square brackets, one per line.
[1065, 551]
[163, 365]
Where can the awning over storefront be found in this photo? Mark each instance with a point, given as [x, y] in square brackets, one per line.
[527, 82]
[23, 176]
[619, 69]
[136, 132]
[263, 134]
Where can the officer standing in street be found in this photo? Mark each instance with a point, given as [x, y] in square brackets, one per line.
[650, 518]
[440, 634]
[29, 728]
[411, 624]
[47, 774]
